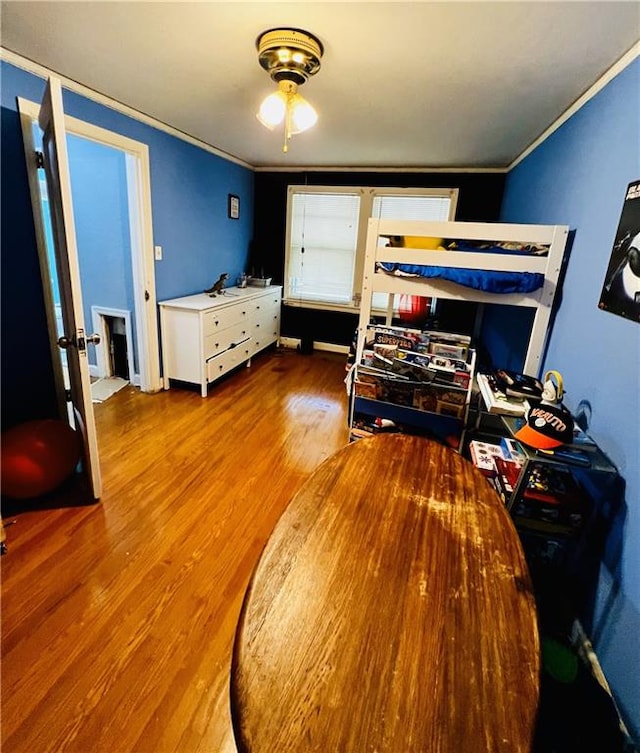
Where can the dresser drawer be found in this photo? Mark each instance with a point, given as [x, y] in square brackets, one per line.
[265, 306]
[220, 340]
[229, 359]
[265, 330]
[216, 321]
[266, 317]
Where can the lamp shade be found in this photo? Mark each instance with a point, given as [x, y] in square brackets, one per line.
[303, 115]
[287, 105]
[273, 110]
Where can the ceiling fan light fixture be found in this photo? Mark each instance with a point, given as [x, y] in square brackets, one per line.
[290, 56]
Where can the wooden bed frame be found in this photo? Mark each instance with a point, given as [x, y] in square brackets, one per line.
[541, 300]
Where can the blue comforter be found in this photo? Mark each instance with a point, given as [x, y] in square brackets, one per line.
[480, 279]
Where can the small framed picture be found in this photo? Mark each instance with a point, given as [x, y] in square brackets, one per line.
[234, 207]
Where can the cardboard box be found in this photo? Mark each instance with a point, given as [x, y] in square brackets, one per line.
[483, 455]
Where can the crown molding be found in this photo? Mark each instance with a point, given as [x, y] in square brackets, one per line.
[42, 72]
[606, 78]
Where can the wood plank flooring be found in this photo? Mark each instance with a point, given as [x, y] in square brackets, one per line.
[118, 618]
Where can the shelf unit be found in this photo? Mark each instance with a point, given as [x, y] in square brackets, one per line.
[563, 546]
[447, 422]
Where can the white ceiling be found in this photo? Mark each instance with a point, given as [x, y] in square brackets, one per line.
[402, 84]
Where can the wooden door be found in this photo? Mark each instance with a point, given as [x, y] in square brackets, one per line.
[75, 339]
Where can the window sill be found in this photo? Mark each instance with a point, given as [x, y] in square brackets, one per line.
[324, 306]
[342, 308]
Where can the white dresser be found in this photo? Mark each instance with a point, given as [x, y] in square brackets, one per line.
[204, 338]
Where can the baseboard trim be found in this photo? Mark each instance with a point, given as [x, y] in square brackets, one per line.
[294, 343]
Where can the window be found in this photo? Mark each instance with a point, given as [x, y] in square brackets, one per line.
[326, 236]
[322, 246]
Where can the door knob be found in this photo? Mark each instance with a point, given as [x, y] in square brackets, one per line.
[81, 344]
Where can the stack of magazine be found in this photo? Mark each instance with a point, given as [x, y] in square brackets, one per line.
[427, 370]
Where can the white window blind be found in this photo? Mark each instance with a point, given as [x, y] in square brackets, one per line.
[322, 250]
[431, 208]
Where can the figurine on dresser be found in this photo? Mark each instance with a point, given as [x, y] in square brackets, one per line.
[218, 287]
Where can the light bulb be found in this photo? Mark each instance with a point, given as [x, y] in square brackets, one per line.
[272, 110]
[303, 115]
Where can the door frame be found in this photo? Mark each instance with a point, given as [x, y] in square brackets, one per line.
[141, 235]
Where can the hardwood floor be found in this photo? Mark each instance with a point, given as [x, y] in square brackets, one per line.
[118, 618]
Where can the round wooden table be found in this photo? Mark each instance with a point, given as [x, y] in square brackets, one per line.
[391, 611]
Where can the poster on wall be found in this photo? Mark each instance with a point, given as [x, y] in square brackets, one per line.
[621, 290]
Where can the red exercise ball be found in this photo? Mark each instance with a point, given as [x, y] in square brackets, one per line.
[37, 457]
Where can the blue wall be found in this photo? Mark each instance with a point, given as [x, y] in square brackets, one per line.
[578, 177]
[189, 189]
[28, 388]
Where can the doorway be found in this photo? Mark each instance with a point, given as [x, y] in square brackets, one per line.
[138, 266]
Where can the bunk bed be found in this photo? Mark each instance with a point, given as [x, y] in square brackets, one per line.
[504, 264]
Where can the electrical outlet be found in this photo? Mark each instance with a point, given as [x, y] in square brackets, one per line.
[158, 252]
